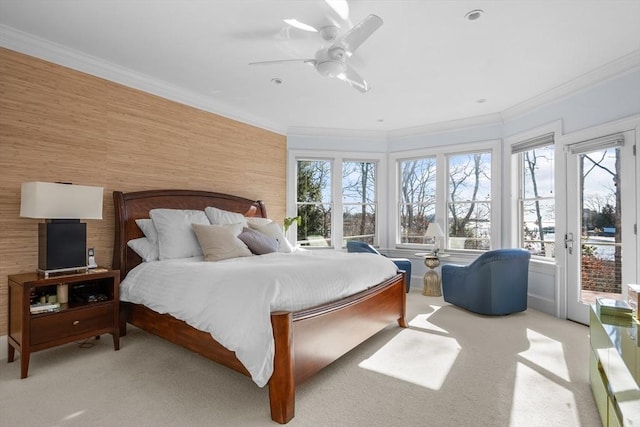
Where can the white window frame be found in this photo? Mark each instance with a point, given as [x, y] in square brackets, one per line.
[511, 191]
[337, 159]
[441, 152]
[449, 201]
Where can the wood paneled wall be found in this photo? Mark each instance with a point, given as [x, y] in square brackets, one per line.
[57, 124]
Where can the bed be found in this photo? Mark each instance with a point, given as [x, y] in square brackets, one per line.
[305, 340]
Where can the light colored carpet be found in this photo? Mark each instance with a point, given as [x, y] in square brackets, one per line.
[450, 368]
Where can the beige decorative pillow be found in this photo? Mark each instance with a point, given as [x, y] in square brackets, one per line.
[220, 242]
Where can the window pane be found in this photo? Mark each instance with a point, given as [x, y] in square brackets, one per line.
[538, 227]
[469, 222]
[417, 198]
[418, 181]
[602, 233]
[314, 181]
[470, 225]
[470, 177]
[536, 201]
[414, 220]
[359, 223]
[359, 182]
[538, 172]
[315, 226]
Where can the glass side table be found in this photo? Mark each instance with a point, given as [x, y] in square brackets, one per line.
[431, 282]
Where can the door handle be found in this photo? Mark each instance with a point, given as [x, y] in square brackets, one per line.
[568, 242]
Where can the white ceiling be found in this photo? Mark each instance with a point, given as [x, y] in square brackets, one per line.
[427, 64]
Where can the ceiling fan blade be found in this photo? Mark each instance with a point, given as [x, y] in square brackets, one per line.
[353, 38]
[282, 61]
[300, 25]
[353, 78]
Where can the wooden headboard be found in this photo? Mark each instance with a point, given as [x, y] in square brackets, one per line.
[135, 205]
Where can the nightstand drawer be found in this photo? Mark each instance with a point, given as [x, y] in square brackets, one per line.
[51, 327]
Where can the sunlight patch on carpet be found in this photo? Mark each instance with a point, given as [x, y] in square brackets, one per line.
[421, 321]
[546, 353]
[534, 394]
[74, 415]
[417, 357]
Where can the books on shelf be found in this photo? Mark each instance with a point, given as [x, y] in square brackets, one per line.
[38, 308]
[613, 307]
[633, 298]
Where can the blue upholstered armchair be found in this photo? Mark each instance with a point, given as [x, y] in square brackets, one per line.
[495, 283]
[402, 263]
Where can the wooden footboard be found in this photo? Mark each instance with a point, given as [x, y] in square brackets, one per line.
[305, 341]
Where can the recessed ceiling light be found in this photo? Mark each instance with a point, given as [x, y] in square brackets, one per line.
[276, 80]
[474, 14]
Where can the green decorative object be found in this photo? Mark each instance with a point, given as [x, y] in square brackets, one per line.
[290, 220]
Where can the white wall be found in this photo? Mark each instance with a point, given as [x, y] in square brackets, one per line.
[602, 103]
[607, 101]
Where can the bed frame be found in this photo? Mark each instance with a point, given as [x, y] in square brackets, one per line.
[305, 341]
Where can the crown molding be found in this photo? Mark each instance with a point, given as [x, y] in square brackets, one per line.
[22, 42]
[432, 128]
[448, 126]
[614, 69]
[337, 133]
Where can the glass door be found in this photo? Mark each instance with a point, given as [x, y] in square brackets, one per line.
[601, 232]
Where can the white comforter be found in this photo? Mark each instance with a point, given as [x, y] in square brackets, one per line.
[233, 299]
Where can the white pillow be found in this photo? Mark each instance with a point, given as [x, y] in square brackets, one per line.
[220, 217]
[176, 238]
[149, 230]
[270, 228]
[220, 242]
[144, 248]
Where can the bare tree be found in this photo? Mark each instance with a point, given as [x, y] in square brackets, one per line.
[531, 163]
[358, 180]
[464, 185]
[418, 179]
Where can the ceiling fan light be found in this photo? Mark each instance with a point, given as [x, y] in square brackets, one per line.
[331, 68]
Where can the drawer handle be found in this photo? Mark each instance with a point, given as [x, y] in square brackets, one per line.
[76, 322]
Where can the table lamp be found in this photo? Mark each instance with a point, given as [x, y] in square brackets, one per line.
[434, 231]
[62, 238]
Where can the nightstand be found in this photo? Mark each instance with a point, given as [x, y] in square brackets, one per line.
[92, 309]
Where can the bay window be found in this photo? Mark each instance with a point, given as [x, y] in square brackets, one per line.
[455, 187]
[336, 199]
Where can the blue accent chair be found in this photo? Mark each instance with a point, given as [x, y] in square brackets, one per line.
[496, 283]
[402, 263]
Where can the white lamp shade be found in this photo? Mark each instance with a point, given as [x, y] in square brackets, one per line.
[434, 230]
[60, 201]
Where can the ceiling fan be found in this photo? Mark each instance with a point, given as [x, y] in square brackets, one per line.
[332, 61]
